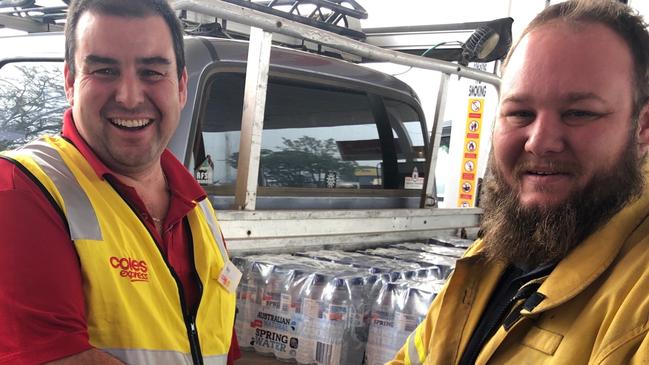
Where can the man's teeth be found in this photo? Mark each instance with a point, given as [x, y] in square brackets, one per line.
[542, 173]
[131, 123]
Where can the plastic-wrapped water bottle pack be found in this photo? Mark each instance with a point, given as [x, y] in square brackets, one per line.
[338, 308]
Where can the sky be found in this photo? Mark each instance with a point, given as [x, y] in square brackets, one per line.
[384, 13]
[422, 12]
[413, 12]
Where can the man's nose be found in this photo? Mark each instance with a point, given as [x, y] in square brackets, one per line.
[130, 92]
[546, 135]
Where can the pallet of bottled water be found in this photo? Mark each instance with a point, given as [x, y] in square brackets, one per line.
[304, 310]
[446, 264]
[334, 307]
[400, 298]
[395, 313]
[456, 252]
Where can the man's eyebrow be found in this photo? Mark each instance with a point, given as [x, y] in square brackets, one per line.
[571, 97]
[156, 60]
[94, 59]
[515, 99]
[584, 96]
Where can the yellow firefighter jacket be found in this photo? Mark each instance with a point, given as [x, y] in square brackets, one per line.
[592, 309]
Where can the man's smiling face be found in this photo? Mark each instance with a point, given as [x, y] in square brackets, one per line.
[126, 94]
[565, 112]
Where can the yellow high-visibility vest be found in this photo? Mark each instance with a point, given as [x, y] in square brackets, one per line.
[135, 307]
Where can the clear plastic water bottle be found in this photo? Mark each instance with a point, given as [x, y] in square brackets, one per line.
[432, 248]
[336, 314]
[380, 343]
[451, 241]
[246, 304]
[356, 326]
[290, 306]
[271, 337]
[340, 337]
[410, 312]
[310, 319]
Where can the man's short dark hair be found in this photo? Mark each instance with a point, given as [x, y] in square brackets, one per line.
[621, 19]
[123, 8]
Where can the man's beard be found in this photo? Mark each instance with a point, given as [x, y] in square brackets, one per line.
[529, 237]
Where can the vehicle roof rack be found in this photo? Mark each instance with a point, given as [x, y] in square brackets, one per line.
[336, 16]
[31, 17]
[341, 17]
[330, 15]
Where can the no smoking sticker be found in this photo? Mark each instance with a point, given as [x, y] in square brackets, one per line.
[469, 166]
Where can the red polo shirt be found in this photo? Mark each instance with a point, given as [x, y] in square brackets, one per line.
[42, 310]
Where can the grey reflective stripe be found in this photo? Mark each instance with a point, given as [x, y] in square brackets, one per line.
[215, 360]
[412, 349]
[79, 212]
[208, 212]
[142, 357]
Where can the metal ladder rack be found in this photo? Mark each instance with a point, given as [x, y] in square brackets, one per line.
[330, 15]
[31, 18]
[340, 17]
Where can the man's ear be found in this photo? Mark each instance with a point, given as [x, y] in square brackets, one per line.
[69, 83]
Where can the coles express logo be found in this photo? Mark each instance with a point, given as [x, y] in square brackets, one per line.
[135, 270]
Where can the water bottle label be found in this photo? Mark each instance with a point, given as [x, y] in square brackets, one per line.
[272, 332]
[285, 302]
[383, 342]
[248, 292]
[329, 342]
[406, 322]
[271, 301]
[311, 308]
[336, 312]
[327, 354]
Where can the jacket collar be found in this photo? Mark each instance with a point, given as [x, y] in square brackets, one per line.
[593, 256]
[585, 263]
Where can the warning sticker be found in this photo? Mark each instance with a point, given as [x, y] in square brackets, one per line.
[414, 181]
[468, 180]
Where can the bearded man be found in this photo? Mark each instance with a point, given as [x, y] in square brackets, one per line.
[561, 273]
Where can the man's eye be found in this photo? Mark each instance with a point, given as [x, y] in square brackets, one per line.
[105, 72]
[519, 116]
[151, 74]
[579, 116]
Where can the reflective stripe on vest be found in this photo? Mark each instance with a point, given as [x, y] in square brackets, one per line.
[79, 213]
[162, 357]
[208, 212]
[64, 174]
[414, 343]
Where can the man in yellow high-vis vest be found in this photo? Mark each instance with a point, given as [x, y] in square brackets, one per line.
[560, 274]
[111, 252]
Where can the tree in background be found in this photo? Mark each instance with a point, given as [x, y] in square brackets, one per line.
[302, 162]
[32, 102]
